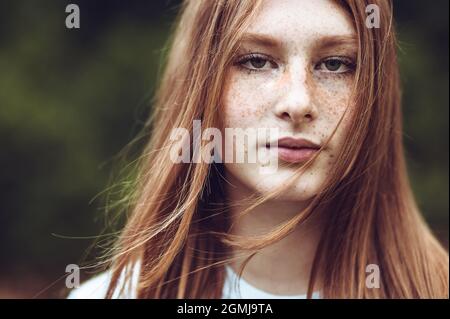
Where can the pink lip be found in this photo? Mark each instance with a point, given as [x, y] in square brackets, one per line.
[295, 155]
[296, 150]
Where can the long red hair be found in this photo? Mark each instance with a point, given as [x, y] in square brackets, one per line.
[177, 227]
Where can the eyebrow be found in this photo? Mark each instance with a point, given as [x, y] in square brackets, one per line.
[260, 39]
[329, 42]
[325, 42]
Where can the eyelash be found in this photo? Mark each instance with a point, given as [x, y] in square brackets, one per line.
[346, 61]
[253, 56]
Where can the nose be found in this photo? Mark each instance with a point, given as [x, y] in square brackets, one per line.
[295, 103]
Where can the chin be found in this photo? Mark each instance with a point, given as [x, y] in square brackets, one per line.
[300, 191]
[305, 188]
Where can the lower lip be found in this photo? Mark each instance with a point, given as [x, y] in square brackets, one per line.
[295, 155]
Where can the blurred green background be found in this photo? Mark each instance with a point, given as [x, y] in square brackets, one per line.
[70, 100]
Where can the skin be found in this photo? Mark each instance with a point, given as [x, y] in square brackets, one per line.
[294, 83]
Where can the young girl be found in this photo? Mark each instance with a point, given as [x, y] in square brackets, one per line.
[335, 219]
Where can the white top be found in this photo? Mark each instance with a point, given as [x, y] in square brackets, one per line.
[234, 288]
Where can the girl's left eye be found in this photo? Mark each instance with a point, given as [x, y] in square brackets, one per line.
[336, 65]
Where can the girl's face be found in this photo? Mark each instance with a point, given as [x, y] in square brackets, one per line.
[294, 72]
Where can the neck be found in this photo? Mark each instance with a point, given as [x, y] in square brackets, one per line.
[283, 267]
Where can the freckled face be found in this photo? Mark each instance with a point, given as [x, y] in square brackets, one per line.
[294, 71]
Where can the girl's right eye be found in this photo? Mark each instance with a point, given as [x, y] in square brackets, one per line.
[255, 62]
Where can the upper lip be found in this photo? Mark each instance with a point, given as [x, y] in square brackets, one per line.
[292, 142]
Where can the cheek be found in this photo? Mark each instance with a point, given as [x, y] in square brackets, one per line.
[333, 99]
[245, 101]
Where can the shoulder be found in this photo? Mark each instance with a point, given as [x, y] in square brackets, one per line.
[94, 288]
[97, 287]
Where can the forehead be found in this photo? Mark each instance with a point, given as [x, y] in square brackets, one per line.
[302, 21]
